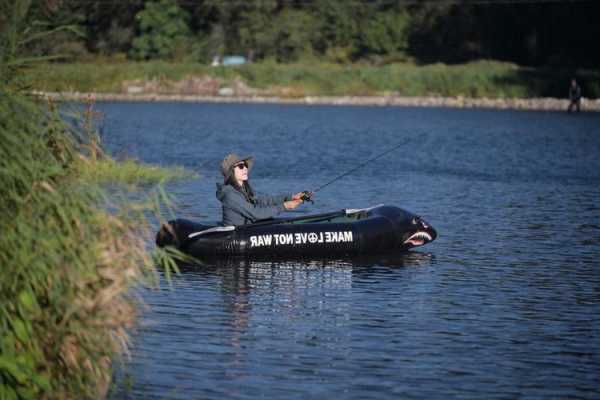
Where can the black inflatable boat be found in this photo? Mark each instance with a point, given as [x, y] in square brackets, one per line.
[342, 233]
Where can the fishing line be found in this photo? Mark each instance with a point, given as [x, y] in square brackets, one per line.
[307, 195]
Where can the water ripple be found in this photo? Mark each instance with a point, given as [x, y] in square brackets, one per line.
[504, 304]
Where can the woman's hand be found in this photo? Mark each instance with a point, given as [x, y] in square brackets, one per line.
[302, 195]
[291, 204]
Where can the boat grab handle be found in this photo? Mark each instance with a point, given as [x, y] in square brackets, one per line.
[349, 211]
[211, 230]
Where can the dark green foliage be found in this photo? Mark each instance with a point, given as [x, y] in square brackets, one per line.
[163, 31]
[384, 33]
[527, 33]
[110, 25]
[292, 35]
[531, 33]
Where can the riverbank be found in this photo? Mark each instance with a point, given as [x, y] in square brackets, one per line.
[545, 104]
[485, 83]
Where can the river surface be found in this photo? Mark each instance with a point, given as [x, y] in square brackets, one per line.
[504, 304]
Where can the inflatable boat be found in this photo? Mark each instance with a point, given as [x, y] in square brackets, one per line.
[347, 232]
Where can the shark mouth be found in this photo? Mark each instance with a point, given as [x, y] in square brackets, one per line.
[418, 238]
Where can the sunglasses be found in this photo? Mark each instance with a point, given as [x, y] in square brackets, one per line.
[241, 165]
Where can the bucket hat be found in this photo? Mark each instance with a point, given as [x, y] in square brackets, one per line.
[232, 159]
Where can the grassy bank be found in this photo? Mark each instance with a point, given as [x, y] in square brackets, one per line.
[67, 262]
[477, 79]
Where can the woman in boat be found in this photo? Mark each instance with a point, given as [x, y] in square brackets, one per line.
[241, 205]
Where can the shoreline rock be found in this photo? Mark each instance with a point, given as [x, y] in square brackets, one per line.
[543, 104]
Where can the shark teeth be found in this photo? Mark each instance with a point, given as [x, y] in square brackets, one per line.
[418, 238]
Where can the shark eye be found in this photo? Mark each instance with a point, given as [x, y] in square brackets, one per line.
[415, 221]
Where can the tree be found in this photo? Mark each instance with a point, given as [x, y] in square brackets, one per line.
[338, 23]
[110, 25]
[384, 33]
[294, 34]
[255, 29]
[162, 28]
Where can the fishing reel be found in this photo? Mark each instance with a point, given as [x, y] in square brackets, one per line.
[307, 196]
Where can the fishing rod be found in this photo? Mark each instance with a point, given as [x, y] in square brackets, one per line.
[307, 195]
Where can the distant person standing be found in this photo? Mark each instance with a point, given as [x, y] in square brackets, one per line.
[574, 96]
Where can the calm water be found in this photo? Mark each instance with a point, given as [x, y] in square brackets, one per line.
[505, 304]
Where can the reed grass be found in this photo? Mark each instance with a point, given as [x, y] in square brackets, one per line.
[130, 172]
[483, 78]
[68, 260]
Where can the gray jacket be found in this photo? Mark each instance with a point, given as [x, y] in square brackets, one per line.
[239, 211]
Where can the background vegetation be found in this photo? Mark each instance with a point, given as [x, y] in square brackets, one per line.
[524, 32]
[69, 253]
[497, 48]
[482, 78]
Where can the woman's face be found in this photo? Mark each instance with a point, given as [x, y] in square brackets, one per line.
[240, 171]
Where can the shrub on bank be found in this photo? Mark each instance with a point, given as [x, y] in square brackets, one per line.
[67, 262]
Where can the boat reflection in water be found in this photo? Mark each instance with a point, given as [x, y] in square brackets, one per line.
[258, 301]
[240, 275]
[268, 267]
